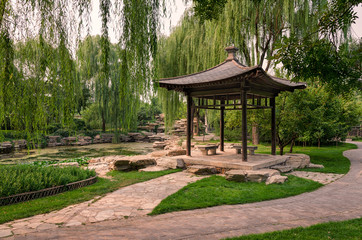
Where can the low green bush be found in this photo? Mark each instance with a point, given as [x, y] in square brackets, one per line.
[232, 135]
[62, 132]
[26, 178]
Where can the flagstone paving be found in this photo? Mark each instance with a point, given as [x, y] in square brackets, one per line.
[323, 178]
[135, 200]
[337, 201]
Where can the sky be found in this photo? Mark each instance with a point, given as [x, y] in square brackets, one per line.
[178, 9]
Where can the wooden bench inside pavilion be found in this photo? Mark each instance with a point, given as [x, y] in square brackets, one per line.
[226, 87]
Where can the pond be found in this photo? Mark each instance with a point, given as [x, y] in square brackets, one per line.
[66, 152]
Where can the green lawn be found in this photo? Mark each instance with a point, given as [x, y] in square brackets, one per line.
[216, 190]
[103, 186]
[325, 231]
[331, 157]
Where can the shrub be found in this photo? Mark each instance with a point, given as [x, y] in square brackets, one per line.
[53, 127]
[232, 135]
[62, 132]
[79, 124]
[26, 178]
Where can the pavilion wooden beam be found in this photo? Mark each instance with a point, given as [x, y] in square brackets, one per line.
[273, 128]
[244, 125]
[222, 108]
[189, 126]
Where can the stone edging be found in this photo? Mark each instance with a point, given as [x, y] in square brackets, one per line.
[23, 197]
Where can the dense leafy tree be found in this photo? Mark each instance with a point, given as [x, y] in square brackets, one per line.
[255, 27]
[53, 88]
[326, 54]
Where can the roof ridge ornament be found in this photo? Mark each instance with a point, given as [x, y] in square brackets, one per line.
[231, 53]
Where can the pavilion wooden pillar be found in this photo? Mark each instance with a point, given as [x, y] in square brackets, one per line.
[273, 128]
[189, 126]
[222, 109]
[244, 125]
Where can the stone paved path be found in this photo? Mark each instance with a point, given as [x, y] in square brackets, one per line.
[135, 200]
[324, 178]
[337, 201]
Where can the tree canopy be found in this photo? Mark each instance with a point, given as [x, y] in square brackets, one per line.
[42, 73]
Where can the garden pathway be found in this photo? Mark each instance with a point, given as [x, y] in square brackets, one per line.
[135, 200]
[340, 200]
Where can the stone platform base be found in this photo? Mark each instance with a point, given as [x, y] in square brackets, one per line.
[229, 160]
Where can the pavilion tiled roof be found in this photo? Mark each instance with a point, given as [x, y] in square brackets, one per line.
[227, 73]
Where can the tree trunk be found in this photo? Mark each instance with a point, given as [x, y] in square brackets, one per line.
[255, 133]
[197, 122]
[103, 123]
[319, 143]
[206, 123]
[291, 146]
[281, 147]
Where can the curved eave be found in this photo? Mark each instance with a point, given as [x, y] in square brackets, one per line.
[229, 73]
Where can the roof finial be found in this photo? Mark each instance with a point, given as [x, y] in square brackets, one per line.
[231, 52]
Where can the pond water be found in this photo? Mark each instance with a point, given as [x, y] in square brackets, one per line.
[66, 152]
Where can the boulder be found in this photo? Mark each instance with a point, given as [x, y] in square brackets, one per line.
[202, 170]
[176, 152]
[312, 165]
[159, 145]
[276, 179]
[260, 175]
[180, 164]
[121, 165]
[133, 162]
[106, 159]
[236, 175]
[166, 162]
[297, 160]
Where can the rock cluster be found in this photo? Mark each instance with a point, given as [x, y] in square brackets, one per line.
[156, 127]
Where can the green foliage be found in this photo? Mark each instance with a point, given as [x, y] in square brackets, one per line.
[314, 115]
[148, 111]
[208, 9]
[41, 82]
[346, 230]
[101, 187]
[26, 178]
[62, 132]
[320, 61]
[255, 27]
[91, 117]
[216, 190]
[232, 134]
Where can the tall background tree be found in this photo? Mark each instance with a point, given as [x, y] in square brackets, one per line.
[48, 69]
[262, 30]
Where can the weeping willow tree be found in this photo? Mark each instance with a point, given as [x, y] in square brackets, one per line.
[255, 27]
[39, 82]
